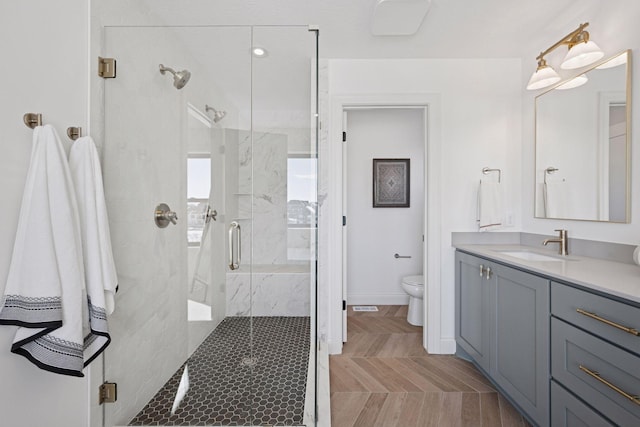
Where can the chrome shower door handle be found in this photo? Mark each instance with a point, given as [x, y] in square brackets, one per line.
[234, 228]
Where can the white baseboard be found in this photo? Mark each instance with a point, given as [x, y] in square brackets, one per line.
[335, 347]
[377, 299]
[447, 346]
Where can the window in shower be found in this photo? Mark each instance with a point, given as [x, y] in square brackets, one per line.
[301, 191]
[198, 189]
[301, 206]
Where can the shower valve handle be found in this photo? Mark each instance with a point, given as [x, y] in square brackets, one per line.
[164, 215]
[172, 216]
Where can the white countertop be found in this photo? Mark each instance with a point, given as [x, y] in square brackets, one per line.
[614, 278]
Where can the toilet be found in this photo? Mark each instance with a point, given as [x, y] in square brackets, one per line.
[414, 286]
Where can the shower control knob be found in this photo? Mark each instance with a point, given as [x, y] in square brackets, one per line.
[164, 215]
[172, 216]
[210, 214]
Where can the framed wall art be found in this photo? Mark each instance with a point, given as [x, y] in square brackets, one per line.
[391, 183]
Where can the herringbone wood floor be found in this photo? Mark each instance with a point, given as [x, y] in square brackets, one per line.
[385, 378]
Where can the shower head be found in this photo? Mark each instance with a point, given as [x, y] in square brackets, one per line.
[180, 78]
[217, 114]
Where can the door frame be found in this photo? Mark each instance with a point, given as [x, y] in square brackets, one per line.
[345, 192]
[432, 340]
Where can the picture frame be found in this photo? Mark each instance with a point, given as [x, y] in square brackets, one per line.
[391, 183]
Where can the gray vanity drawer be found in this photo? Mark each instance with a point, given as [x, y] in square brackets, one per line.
[566, 300]
[569, 411]
[572, 348]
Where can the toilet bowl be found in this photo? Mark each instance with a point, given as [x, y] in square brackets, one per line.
[414, 286]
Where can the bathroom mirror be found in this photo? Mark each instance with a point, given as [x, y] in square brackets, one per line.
[582, 162]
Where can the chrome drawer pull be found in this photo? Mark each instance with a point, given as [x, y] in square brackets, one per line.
[596, 375]
[609, 322]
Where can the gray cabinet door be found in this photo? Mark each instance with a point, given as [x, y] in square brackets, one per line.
[521, 340]
[473, 311]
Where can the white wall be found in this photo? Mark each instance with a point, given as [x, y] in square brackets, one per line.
[613, 26]
[480, 126]
[44, 55]
[376, 234]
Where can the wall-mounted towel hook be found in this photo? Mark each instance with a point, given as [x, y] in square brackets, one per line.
[487, 171]
[32, 120]
[74, 132]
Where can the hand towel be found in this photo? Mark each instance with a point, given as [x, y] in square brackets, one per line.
[489, 205]
[99, 268]
[44, 292]
[202, 272]
[555, 199]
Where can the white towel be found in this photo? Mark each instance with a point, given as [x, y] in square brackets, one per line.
[100, 273]
[489, 205]
[44, 293]
[555, 199]
[202, 272]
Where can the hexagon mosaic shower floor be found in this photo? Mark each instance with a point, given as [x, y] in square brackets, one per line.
[226, 388]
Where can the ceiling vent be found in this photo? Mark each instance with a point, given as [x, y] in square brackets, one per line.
[398, 17]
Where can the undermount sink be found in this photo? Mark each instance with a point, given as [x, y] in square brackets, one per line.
[530, 256]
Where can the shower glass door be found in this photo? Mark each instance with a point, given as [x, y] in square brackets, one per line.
[215, 314]
[284, 205]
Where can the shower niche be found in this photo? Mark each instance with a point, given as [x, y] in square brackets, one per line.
[215, 321]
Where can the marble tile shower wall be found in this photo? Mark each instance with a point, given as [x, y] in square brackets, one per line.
[324, 211]
[274, 293]
[268, 294]
[148, 327]
[269, 202]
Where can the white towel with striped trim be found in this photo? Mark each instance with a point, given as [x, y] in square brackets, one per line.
[100, 272]
[45, 290]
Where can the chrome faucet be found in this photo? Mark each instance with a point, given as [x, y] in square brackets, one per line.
[562, 240]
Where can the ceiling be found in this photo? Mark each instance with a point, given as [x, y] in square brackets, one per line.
[451, 28]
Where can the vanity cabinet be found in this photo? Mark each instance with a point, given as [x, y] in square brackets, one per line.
[502, 322]
[596, 352]
[475, 289]
[564, 354]
[569, 411]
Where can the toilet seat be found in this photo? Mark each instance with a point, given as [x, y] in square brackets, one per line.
[413, 280]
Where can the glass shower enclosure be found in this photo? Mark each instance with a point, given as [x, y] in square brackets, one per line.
[210, 159]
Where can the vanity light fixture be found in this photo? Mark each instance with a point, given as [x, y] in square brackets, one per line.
[574, 82]
[618, 60]
[582, 52]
